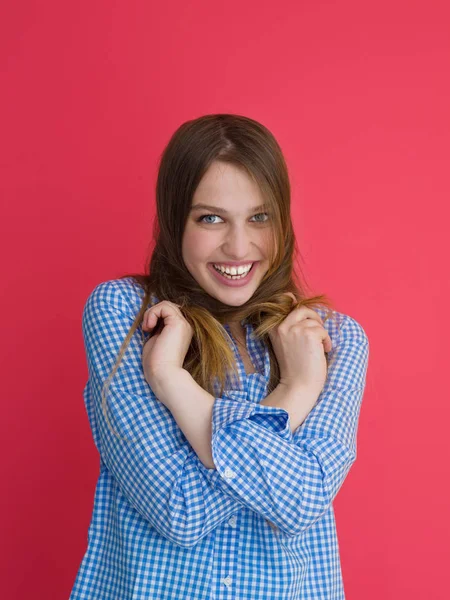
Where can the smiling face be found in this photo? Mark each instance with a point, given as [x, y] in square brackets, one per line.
[233, 229]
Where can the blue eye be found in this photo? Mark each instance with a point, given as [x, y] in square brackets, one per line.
[201, 219]
[264, 213]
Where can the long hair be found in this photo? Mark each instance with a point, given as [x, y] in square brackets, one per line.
[249, 145]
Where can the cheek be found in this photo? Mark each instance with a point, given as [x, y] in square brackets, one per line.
[197, 245]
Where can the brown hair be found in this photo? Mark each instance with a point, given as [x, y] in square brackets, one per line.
[249, 145]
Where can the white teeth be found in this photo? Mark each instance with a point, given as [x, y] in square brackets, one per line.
[233, 270]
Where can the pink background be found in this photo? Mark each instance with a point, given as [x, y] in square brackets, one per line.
[358, 96]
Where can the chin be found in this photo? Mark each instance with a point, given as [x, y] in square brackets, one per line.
[232, 298]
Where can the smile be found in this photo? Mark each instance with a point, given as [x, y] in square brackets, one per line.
[240, 271]
[233, 276]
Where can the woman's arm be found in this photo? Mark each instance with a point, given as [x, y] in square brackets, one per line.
[192, 408]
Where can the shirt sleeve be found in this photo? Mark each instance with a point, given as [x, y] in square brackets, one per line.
[156, 469]
[292, 480]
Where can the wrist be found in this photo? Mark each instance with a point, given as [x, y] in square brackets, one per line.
[297, 399]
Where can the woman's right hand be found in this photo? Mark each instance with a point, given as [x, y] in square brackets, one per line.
[165, 351]
[300, 342]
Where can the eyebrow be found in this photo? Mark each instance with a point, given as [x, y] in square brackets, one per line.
[217, 209]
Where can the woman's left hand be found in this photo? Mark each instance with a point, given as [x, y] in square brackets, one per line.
[165, 351]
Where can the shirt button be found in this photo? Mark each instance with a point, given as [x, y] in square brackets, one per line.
[232, 522]
[229, 474]
[227, 581]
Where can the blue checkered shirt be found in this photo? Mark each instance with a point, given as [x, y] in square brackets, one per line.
[260, 525]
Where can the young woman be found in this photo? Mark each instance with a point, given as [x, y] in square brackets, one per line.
[223, 401]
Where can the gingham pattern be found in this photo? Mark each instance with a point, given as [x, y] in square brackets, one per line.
[166, 527]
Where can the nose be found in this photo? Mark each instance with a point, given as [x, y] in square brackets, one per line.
[237, 244]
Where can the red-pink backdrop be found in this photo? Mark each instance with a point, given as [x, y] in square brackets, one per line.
[358, 95]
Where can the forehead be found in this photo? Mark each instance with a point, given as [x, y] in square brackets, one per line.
[225, 185]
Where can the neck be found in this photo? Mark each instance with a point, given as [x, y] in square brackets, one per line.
[237, 329]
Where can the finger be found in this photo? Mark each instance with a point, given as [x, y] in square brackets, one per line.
[300, 314]
[312, 314]
[173, 305]
[149, 320]
[325, 339]
[321, 332]
[327, 344]
[163, 309]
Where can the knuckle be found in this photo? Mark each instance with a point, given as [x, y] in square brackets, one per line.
[314, 315]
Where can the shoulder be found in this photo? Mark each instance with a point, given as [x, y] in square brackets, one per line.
[124, 295]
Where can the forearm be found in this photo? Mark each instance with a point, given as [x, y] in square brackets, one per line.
[191, 407]
[297, 401]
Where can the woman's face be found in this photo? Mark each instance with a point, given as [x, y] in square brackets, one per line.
[233, 229]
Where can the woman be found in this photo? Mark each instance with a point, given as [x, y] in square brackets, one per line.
[222, 400]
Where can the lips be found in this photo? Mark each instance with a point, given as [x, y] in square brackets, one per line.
[229, 282]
